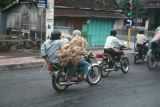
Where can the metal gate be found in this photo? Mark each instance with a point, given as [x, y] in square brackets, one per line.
[96, 30]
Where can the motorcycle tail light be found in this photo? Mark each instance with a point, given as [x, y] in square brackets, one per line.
[50, 68]
[99, 55]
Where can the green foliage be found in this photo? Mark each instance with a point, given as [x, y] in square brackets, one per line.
[125, 6]
[137, 8]
[4, 2]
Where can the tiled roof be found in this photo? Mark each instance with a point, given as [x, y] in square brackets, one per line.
[59, 12]
[88, 4]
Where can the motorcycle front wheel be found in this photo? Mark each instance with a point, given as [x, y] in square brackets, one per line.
[56, 79]
[124, 64]
[151, 61]
[94, 75]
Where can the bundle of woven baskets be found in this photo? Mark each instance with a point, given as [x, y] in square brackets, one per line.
[72, 51]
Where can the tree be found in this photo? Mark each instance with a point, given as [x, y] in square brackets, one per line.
[4, 2]
[138, 9]
[134, 9]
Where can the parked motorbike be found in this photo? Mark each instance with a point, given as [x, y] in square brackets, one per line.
[153, 56]
[59, 75]
[140, 57]
[107, 64]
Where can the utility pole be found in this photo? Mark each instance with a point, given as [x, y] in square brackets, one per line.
[49, 18]
[129, 28]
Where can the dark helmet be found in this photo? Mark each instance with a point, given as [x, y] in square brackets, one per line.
[55, 35]
[113, 33]
[141, 32]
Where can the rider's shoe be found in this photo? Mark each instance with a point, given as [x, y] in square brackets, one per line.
[82, 78]
[117, 64]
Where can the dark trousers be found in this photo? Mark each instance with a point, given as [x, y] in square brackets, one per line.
[142, 49]
[113, 53]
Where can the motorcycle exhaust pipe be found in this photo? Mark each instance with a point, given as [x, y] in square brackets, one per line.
[110, 70]
[67, 83]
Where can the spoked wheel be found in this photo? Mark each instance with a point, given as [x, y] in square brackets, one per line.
[151, 61]
[56, 79]
[136, 59]
[94, 75]
[124, 64]
[104, 70]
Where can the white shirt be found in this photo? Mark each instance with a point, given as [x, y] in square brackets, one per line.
[156, 36]
[112, 42]
[141, 38]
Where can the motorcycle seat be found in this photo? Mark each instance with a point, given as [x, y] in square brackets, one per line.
[102, 55]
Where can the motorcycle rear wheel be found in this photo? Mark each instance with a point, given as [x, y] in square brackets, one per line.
[105, 71]
[136, 59]
[56, 84]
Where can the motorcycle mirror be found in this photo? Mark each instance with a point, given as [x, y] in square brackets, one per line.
[125, 43]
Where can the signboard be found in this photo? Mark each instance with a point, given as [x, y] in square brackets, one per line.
[42, 3]
[128, 22]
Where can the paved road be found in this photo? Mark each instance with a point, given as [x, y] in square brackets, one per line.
[32, 88]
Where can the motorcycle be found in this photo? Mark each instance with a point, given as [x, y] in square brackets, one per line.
[107, 64]
[140, 57]
[153, 56]
[59, 75]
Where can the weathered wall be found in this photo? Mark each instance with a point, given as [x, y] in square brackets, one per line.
[24, 16]
[2, 22]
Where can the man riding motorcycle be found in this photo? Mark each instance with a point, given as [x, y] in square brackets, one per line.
[112, 42]
[155, 42]
[49, 48]
[141, 41]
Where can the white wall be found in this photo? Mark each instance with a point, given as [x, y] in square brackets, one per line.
[118, 24]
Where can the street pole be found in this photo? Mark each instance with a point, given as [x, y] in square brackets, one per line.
[129, 36]
[41, 25]
[129, 29]
[49, 18]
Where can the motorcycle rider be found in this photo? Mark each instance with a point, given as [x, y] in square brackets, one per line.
[141, 39]
[156, 40]
[112, 42]
[49, 48]
[81, 62]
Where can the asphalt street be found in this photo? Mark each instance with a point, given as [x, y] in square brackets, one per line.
[32, 88]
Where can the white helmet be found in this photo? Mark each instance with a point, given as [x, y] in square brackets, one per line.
[76, 32]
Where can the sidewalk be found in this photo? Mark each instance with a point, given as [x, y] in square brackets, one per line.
[19, 60]
[29, 59]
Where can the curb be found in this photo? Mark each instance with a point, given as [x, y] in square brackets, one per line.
[41, 63]
[21, 66]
